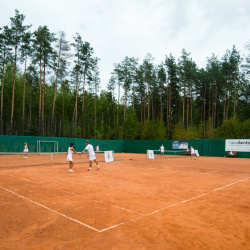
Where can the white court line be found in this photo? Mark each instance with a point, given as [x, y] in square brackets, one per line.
[108, 204]
[198, 196]
[20, 178]
[173, 205]
[65, 179]
[54, 211]
[143, 215]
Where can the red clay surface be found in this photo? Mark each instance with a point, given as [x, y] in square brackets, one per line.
[170, 203]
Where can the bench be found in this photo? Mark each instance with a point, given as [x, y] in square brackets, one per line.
[186, 153]
[233, 154]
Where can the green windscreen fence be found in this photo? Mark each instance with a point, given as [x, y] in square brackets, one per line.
[206, 147]
[54, 144]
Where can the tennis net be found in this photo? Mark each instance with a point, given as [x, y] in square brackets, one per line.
[157, 154]
[39, 159]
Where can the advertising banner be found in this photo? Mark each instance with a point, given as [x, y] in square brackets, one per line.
[180, 145]
[109, 156]
[150, 154]
[238, 145]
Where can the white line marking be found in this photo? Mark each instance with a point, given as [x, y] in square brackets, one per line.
[142, 216]
[21, 178]
[54, 211]
[108, 228]
[108, 204]
[196, 197]
[173, 205]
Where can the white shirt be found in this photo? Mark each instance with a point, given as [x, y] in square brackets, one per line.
[162, 149]
[26, 149]
[70, 152]
[90, 150]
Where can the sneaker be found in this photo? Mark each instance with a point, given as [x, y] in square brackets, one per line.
[98, 168]
[70, 170]
[89, 169]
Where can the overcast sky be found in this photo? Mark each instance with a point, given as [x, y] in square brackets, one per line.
[133, 28]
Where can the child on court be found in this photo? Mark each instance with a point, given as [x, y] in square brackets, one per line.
[70, 156]
[25, 150]
[192, 153]
[162, 149]
[92, 157]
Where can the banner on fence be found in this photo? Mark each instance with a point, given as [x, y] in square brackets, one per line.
[238, 145]
[150, 154]
[109, 156]
[180, 145]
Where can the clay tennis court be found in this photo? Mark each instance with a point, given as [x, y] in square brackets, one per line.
[131, 203]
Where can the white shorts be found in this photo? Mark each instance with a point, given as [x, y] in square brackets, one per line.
[69, 158]
[25, 150]
[162, 152]
[92, 157]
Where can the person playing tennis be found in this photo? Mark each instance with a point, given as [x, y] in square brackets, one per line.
[92, 157]
[70, 156]
[25, 150]
[162, 149]
[192, 153]
[97, 149]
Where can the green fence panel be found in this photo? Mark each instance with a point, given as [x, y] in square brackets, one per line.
[141, 146]
[206, 147]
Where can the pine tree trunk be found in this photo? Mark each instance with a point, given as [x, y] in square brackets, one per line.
[187, 111]
[141, 113]
[63, 111]
[170, 106]
[183, 108]
[30, 115]
[215, 106]
[133, 94]
[148, 103]
[54, 99]
[144, 106]
[234, 94]
[161, 105]
[117, 126]
[24, 85]
[76, 103]
[82, 125]
[228, 102]
[43, 95]
[204, 111]
[95, 106]
[2, 94]
[40, 99]
[114, 108]
[225, 101]
[13, 94]
[191, 107]
[125, 108]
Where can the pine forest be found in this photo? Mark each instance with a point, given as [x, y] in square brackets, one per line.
[51, 87]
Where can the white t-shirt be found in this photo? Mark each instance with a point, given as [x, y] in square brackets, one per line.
[90, 150]
[192, 151]
[69, 155]
[26, 150]
[162, 149]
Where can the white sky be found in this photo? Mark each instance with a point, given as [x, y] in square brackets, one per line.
[133, 28]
